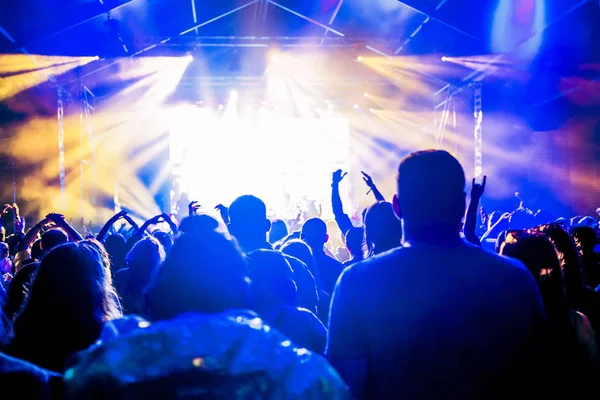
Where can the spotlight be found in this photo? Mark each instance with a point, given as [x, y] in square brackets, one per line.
[360, 58]
[356, 106]
[371, 110]
[189, 58]
[233, 94]
[275, 58]
[96, 58]
[221, 106]
[331, 106]
[444, 59]
[366, 94]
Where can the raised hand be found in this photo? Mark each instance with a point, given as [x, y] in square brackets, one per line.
[338, 176]
[368, 180]
[193, 207]
[224, 211]
[56, 218]
[478, 189]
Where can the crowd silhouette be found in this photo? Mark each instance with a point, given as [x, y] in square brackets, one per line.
[425, 296]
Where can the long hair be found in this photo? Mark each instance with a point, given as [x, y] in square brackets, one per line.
[143, 263]
[204, 272]
[70, 299]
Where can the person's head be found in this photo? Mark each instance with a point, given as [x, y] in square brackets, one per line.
[19, 289]
[543, 217]
[300, 250]
[36, 250]
[248, 221]
[165, 239]
[585, 238]
[143, 262]
[70, 299]
[431, 195]
[355, 239]
[383, 229]
[279, 230]
[540, 257]
[53, 238]
[314, 233]
[116, 246]
[4, 250]
[204, 272]
[522, 218]
[272, 280]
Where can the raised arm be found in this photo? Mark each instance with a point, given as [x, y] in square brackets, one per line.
[471, 218]
[169, 221]
[139, 234]
[23, 253]
[224, 211]
[372, 187]
[102, 235]
[60, 222]
[341, 218]
[193, 208]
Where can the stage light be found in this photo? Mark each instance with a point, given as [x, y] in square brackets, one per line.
[444, 59]
[356, 106]
[331, 106]
[221, 107]
[360, 58]
[366, 94]
[275, 58]
[96, 57]
[233, 94]
[189, 58]
[371, 110]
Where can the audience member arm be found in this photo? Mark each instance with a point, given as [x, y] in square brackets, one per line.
[372, 187]
[471, 218]
[341, 218]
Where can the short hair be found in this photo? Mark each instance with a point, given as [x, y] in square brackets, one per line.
[279, 230]
[314, 231]
[355, 238]
[53, 238]
[247, 208]
[431, 187]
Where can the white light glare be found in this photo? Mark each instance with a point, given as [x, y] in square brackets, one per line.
[221, 106]
[366, 94]
[356, 106]
[444, 59]
[189, 58]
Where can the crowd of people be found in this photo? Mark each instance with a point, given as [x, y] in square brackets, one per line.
[422, 297]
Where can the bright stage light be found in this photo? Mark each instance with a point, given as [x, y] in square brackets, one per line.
[444, 58]
[356, 106]
[331, 106]
[233, 94]
[371, 110]
[221, 107]
[189, 58]
[366, 94]
[255, 145]
[275, 58]
[96, 57]
[360, 58]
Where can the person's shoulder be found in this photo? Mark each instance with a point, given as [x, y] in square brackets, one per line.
[489, 258]
[367, 265]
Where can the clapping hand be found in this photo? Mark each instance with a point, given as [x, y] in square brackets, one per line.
[478, 189]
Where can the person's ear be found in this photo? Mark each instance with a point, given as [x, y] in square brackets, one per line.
[396, 206]
[267, 225]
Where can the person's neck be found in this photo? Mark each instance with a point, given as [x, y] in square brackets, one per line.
[436, 234]
[251, 243]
